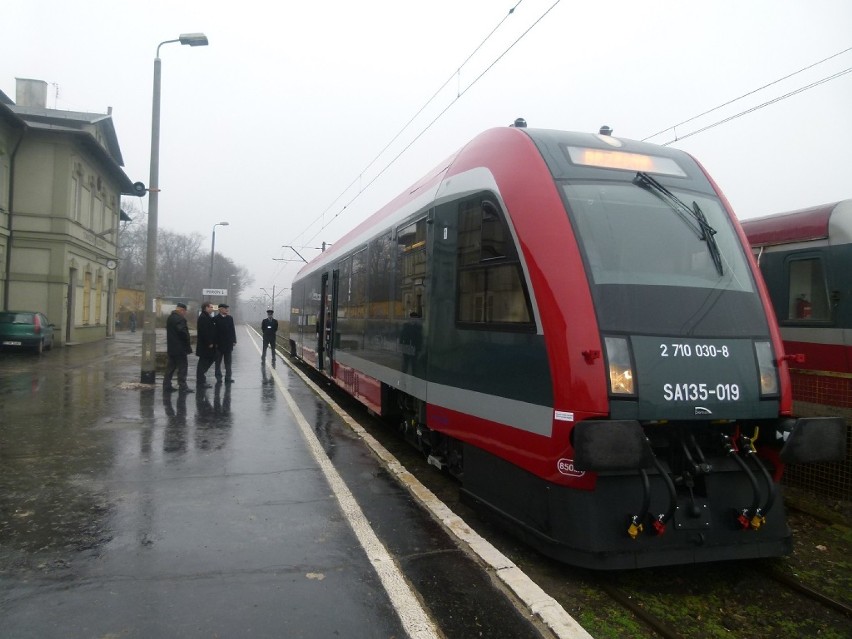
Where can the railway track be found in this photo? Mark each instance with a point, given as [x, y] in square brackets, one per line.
[807, 591]
[642, 606]
[655, 623]
[746, 599]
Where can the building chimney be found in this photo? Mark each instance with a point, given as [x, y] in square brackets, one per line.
[31, 93]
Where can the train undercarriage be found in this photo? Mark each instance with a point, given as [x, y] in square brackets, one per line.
[707, 492]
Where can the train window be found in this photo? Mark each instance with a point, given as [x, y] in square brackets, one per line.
[344, 294]
[482, 233]
[358, 290]
[491, 289]
[609, 218]
[380, 273]
[411, 268]
[808, 298]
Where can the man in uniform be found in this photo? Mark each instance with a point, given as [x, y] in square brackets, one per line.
[268, 328]
[177, 347]
[226, 339]
[205, 346]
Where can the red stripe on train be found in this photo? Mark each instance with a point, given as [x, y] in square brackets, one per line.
[820, 357]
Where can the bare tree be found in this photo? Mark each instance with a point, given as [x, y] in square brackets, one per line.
[183, 267]
[132, 241]
[180, 264]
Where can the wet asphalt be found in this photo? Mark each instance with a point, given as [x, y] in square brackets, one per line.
[125, 512]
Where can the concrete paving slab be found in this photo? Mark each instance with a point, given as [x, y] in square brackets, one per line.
[125, 512]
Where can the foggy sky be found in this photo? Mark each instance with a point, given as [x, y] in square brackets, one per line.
[291, 102]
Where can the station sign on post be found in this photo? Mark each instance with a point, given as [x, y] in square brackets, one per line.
[214, 291]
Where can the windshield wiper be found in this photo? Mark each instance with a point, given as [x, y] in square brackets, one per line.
[695, 220]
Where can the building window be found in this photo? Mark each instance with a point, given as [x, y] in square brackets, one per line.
[87, 297]
[99, 299]
[89, 209]
[808, 297]
[106, 217]
[77, 195]
[4, 186]
[491, 289]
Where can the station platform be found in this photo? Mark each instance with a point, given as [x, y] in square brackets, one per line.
[250, 509]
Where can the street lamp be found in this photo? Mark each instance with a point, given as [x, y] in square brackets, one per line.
[149, 335]
[213, 250]
[231, 282]
[272, 306]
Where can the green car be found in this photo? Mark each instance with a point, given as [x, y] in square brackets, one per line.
[25, 330]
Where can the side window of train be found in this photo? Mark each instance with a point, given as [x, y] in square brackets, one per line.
[380, 272]
[492, 293]
[411, 267]
[345, 293]
[358, 290]
[807, 290]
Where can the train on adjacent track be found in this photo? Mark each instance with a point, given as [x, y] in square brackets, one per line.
[573, 325]
[805, 257]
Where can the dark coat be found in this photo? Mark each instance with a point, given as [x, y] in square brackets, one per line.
[177, 335]
[206, 337]
[269, 327]
[226, 333]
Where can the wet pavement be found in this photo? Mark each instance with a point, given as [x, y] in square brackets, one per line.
[127, 513]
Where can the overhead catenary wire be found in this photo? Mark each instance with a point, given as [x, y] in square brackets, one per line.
[459, 93]
[759, 106]
[745, 95]
[456, 73]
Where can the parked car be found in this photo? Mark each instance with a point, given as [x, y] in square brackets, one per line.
[25, 330]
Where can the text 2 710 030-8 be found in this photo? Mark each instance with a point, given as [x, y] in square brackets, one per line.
[694, 350]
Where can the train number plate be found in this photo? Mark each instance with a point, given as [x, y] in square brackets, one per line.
[683, 377]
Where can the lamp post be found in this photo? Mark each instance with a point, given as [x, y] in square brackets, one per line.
[272, 306]
[231, 281]
[213, 250]
[149, 335]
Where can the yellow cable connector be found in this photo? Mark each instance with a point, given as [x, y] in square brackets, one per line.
[635, 529]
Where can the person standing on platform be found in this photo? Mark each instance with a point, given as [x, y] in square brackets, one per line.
[178, 347]
[205, 346]
[226, 339]
[268, 328]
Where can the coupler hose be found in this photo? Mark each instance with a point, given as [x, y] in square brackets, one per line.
[661, 520]
[636, 526]
[771, 490]
[743, 517]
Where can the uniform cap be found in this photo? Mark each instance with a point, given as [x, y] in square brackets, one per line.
[181, 305]
[224, 306]
[269, 311]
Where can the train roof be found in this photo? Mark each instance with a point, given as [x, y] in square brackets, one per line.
[492, 142]
[832, 221]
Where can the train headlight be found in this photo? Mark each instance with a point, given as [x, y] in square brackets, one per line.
[620, 366]
[766, 368]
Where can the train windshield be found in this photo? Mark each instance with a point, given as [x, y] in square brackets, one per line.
[658, 254]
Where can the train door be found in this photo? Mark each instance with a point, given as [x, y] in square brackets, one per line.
[331, 321]
[326, 322]
[321, 321]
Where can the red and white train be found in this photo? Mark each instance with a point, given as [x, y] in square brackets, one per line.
[806, 260]
[572, 325]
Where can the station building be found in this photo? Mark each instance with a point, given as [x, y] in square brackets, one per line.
[61, 182]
